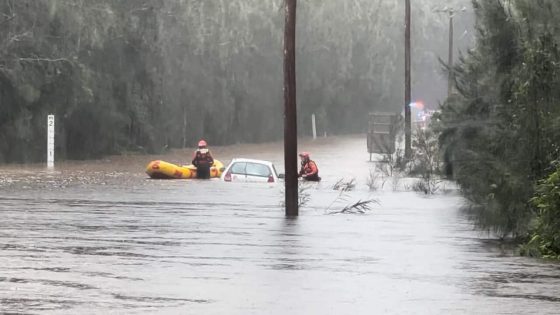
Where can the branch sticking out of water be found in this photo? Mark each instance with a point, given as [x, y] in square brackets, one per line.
[345, 185]
[304, 196]
[373, 180]
[360, 207]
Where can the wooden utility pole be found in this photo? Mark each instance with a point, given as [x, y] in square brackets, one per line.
[290, 110]
[451, 76]
[450, 79]
[407, 86]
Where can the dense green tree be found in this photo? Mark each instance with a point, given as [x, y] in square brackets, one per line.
[499, 133]
[146, 75]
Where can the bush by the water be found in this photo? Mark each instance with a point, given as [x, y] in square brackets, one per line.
[545, 237]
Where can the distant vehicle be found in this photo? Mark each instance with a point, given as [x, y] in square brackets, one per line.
[249, 170]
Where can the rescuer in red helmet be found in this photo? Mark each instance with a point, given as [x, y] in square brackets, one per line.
[203, 160]
[309, 170]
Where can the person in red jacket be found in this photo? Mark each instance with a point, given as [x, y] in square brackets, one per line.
[309, 170]
[203, 160]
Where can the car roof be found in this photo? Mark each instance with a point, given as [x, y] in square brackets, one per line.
[251, 160]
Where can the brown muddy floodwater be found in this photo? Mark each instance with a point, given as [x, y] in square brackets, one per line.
[100, 238]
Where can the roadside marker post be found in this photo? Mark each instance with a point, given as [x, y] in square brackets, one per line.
[50, 141]
[314, 126]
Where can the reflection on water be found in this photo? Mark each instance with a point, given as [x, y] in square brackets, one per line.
[98, 237]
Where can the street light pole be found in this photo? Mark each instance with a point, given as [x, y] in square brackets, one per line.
[407, 86]
[451, 77]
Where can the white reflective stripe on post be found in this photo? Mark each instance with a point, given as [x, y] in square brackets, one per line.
[50, 141]
[314, 126]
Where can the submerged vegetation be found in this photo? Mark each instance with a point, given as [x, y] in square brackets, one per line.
[500, 131]
[344, 187]
[426, 162]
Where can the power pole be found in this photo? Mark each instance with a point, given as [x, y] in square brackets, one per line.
[450, 79]
[451, 76]
[407, 86]
[290, 109]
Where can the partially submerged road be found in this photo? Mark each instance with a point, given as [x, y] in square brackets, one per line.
[99, 237]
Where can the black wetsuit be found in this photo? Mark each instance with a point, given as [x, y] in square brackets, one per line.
[203, 160]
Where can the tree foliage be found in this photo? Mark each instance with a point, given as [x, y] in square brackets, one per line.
[145, 75]
[545, 239]
[90, 63]
[499, 133]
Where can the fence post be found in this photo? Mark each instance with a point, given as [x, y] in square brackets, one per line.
[50, 141]
[314, 126]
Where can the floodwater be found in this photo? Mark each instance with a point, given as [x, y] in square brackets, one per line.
[100, 238]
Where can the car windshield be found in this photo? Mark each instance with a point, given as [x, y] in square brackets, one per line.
[238, 168]
[255, 169]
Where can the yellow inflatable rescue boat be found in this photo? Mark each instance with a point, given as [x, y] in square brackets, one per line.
[165, 170]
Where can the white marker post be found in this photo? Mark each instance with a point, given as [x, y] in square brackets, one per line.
[50, 141]
[314, 126]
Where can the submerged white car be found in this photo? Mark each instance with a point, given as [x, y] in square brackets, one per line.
[249, 170]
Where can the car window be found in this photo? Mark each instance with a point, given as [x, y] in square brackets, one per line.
[255, 169]
[238, 168]
[274, 169]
